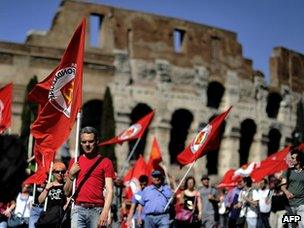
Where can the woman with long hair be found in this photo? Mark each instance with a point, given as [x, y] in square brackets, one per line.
[189, 209]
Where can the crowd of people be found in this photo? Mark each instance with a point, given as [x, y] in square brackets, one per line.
[98, 200]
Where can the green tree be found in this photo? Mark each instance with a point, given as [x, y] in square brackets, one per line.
[29, 113]
[298, 134]
[108, 126]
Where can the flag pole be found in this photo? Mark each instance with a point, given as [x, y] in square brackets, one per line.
[49, 180]
[178, 186]
[30, 147]
[129, 158]
[76, 145]
[35, 185]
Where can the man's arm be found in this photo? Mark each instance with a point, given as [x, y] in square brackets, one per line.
[70, 178]
[103, 219]
[130, 215]
[254, 199]
[288, 194]
[214, 196]
[139, 211]
[9, 210]
[228, 198]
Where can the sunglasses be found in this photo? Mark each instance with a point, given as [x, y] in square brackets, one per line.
[59, 171]
[89, 141]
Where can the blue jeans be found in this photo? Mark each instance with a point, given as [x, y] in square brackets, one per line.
[157, 221]
[85, 217]
[34, 215]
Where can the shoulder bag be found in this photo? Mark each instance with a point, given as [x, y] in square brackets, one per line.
[15, 220]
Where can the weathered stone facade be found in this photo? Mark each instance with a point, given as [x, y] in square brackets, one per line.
[137, 59]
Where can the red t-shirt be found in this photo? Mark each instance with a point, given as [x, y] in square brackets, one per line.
[92, 190]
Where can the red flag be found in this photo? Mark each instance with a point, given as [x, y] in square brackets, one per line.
[205, 141]
[155, 157]
[227, 180]
[60, 98]
[6, 95]
[276, 162]
[40, 175]
[244, 170]
[131, 178]
[133, 132]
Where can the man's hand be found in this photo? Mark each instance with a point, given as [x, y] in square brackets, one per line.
[52, 184]
[289, 195]
[103, 219]
[237, 206]
[139, 221]
[74, 169]
[7, 213]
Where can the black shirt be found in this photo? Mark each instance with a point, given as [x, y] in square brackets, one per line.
[56, 196]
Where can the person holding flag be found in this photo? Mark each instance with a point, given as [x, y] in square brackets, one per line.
[91, 207]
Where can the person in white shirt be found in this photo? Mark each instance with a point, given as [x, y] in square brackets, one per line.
[248, 201]
[23, 204]
[264, 204]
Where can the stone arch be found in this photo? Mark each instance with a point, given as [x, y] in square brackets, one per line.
[139, 111]
[180, 123]
[215, 92]
[91, 114]
[273, 104]
[247, 132]
[274, 138]
[212, 156]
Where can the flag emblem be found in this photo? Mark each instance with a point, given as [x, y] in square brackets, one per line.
[200, 139]
[134, 185]
[130, 132]
[61, 92]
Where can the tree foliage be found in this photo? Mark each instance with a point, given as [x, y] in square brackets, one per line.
[108, 126]
[29, 113]
[298, 134]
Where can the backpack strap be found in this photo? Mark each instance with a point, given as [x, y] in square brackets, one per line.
[86, 176]
[288, 177]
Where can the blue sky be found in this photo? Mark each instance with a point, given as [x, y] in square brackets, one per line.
[260, 24]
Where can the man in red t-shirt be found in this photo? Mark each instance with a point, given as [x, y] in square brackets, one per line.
[91, 207]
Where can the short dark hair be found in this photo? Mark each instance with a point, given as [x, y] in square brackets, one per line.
[247, 181]
[300, 155]
[90, 130]
[265, 180]
[143, 179]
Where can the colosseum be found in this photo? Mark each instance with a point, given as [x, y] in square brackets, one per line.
[187, 72]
